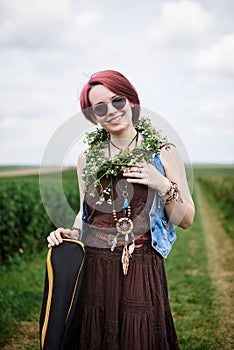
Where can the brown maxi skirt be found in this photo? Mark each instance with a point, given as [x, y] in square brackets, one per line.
[118, 312]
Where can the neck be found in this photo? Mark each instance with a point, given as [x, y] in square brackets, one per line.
[122, 138]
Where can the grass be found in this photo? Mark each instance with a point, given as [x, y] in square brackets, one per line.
[191, 292]
[20, 296]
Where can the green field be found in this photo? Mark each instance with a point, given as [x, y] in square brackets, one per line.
[199, 268]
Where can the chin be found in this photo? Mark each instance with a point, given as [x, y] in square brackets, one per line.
[116, 127]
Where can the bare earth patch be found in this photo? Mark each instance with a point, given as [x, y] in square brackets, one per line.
[31, 171]
[220, 265]
[28, 338]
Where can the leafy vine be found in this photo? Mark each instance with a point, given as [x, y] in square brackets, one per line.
[98, 165]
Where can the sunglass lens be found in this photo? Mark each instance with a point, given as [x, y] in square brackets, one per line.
[100, 110]
[119, 102]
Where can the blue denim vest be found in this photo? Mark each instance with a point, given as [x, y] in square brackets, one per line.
[162, 230]
[163, 234]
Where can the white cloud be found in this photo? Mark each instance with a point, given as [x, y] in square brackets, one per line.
[23, 141]
[218, 59]
[7, 124]
[220, 110]
[208, 130]
[42, 8]
[46, 25]
[183, 24]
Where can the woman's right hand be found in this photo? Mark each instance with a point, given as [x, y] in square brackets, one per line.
[56, 237]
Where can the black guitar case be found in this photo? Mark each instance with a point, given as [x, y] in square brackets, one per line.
[65, 267]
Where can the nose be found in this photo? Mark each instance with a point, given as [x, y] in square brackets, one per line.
[111, 109]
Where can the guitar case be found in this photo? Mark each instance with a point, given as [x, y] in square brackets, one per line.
[65, 267]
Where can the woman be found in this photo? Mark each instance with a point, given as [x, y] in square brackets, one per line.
[133, 189]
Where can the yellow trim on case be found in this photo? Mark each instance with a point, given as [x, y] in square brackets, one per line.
[75, 241]
[77, 279]
[48, 304]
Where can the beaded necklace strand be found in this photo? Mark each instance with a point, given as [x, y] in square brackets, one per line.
[124, 225]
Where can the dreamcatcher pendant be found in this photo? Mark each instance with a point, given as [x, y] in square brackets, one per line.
[124, 227]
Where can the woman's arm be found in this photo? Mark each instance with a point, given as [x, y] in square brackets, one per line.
[180, 213]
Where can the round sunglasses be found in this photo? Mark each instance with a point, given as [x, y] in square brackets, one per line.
[101, 109]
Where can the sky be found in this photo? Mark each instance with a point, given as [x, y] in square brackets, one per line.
[178, 54]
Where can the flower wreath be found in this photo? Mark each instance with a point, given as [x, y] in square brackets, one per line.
[98, 165]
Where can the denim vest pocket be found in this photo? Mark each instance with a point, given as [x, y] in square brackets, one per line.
[163, 236]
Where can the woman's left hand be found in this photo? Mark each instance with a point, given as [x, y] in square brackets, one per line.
[147, 174]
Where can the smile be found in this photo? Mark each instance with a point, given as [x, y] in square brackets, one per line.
[115, 119]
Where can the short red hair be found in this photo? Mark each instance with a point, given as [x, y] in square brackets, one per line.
[118, 84]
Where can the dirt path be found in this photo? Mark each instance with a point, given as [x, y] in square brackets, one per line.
[31, 171]
[220, 265]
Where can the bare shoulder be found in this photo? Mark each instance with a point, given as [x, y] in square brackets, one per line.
[81, 158]
[169, 152]
[172, 161]
[81, 162]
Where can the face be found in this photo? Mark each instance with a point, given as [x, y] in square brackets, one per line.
[118, 114]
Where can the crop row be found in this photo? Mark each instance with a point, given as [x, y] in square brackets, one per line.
[24, 221]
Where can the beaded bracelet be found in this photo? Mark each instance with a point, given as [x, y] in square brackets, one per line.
[170, 195]
[168, 191]
[175, 194]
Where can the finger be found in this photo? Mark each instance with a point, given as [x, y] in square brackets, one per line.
[137, 181]
[63, 232]
[135, 172]
[54, 238]
[50, 245]
[50, 242]
[58, 237]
